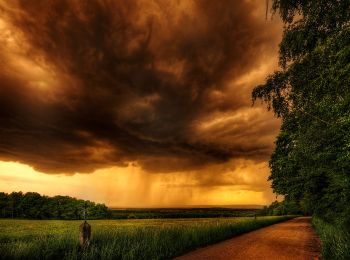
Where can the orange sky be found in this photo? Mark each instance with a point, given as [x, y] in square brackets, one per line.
[131, 187]
[137, 103]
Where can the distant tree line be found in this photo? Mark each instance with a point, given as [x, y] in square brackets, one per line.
[32, 205]
[285, 207]
[183, 213]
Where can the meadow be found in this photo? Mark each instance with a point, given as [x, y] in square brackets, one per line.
[120, 239]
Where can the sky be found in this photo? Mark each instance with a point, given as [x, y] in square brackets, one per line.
[138, 103]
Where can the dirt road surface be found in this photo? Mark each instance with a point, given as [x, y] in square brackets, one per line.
[294, 239]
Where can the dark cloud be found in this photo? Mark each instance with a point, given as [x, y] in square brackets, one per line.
[90, 84]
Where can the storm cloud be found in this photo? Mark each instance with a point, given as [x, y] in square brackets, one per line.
[160, 84]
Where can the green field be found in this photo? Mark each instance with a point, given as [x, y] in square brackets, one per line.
[120, 239]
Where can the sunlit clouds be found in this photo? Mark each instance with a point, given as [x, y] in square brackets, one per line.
[136, 102]
[236, 183]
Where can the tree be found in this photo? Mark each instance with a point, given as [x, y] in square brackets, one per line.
[3, 204]
[311, 94]
[32, 205]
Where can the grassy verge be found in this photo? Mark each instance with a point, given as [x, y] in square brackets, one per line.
[113, 241]
[335, 241]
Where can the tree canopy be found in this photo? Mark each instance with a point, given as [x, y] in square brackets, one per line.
[311, 94]
[32, 205]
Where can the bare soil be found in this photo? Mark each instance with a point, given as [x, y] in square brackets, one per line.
[293, 239]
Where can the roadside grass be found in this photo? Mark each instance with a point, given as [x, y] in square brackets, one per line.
[335, 241]
[113, 239]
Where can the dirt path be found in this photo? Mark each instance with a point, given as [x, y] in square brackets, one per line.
[293, 239]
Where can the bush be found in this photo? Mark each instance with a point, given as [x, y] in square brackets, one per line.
[286, 207]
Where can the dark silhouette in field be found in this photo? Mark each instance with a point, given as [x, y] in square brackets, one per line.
[84, 234]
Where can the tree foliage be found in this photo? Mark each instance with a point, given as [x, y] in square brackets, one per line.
[311, 94]
[286, 207]
[32, 205]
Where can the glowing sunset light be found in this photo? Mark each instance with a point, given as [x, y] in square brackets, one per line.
[137, 103]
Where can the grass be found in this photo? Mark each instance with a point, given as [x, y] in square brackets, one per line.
[335, 241]
[120, 239]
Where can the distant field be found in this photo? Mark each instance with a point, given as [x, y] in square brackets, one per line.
[120, 239]
[183, 213]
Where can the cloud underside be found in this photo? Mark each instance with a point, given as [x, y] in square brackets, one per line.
[161, 84]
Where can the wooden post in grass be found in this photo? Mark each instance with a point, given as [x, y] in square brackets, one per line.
[84, 232]
[84, 235]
